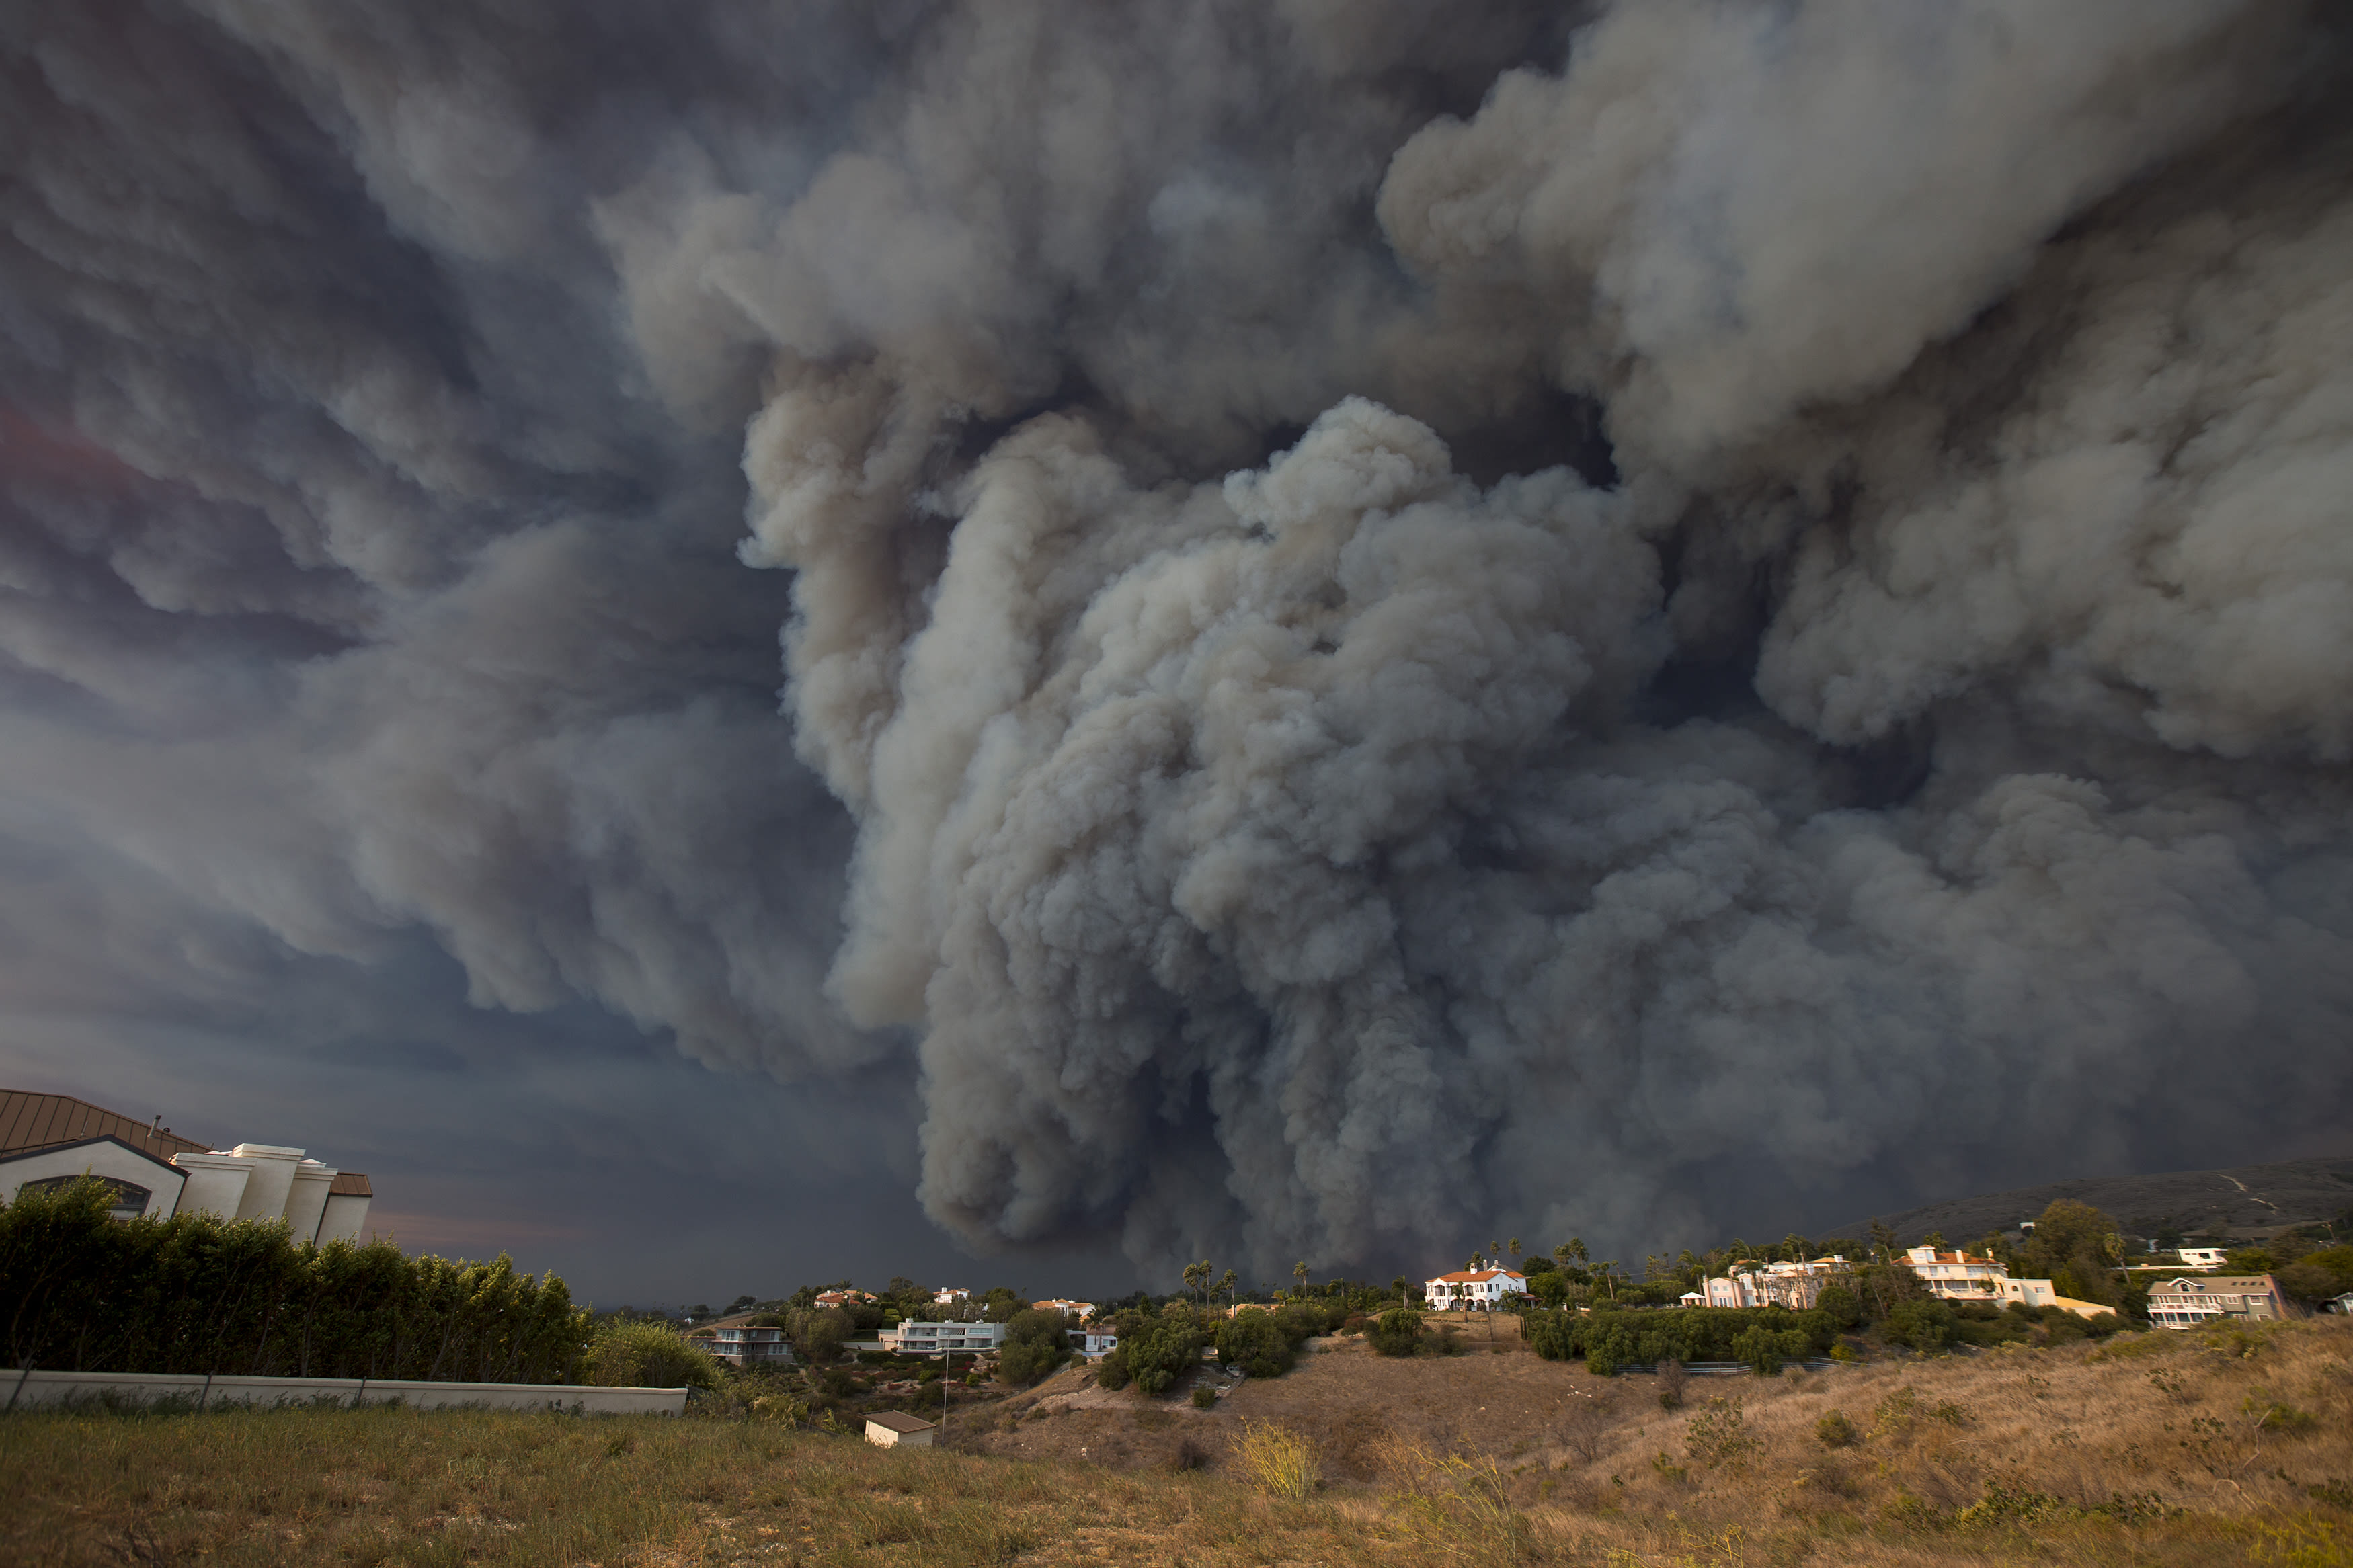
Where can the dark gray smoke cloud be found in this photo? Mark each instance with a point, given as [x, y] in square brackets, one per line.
[1396, 619]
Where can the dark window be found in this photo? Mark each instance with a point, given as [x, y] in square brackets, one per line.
[130, 1199]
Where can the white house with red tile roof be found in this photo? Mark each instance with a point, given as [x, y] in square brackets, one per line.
[1473, 1289]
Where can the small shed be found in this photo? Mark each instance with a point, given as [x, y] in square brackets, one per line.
[893, 1430]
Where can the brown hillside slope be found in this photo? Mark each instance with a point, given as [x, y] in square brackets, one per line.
[2244, 1200]
[2166, 1451]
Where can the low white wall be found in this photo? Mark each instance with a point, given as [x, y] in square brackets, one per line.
[31, 1390]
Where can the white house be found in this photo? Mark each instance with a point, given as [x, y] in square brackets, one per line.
[1473, 1290]
[1094, 1343]
[2202, 1257]
[53, 1139]
[1082, 1310]
[938, 1339]
[893, 1430]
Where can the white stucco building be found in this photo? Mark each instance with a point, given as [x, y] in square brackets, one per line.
[1958, 1276]
[53, 1139]
[1796, 1286]
[937, 1339]
[1473, 1290]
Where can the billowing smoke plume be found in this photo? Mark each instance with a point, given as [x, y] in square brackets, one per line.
[1396, 617]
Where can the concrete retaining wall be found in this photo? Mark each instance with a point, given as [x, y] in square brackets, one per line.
[31, 1390]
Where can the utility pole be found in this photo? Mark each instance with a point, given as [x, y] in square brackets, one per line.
[947, 1365]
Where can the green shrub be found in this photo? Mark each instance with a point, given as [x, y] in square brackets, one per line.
[1923, 1325]
[1765, 1349]
[1260, 1343]
[647, 1355]
[1204, 1396]
[1160, 1352]
[1839, 1304]
[198, 1293]
[1835, 1431]
[1036, 1346]
[1397, 1332]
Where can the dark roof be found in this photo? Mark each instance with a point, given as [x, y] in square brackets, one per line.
[29, 1121]
[350, 1184]
[13, 1154]
[891, 1420]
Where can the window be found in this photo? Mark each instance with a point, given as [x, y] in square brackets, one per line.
[130, 1199]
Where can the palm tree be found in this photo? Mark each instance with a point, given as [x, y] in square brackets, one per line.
[1607, 1267]
[1299, 1273]
[1515, 1247]
[1225, 1285]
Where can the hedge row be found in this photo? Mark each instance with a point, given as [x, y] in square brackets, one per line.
[195, 1293]
[1762, 1336]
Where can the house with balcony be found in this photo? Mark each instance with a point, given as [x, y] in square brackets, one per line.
[1473, 1290]
[735, 1341]
[943, 1339]
[2190, 1303]
[1747, 1283]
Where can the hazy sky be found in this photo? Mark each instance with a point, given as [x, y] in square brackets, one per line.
[739, 644]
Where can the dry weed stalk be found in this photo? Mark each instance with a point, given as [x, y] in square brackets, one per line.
[1278, 1460]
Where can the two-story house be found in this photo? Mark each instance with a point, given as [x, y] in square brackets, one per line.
[1473, 1290]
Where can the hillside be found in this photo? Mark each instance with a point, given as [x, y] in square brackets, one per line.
[2228, 1446]
[2242, 1201]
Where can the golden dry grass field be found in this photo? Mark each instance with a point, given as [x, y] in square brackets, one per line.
[2224, 1448]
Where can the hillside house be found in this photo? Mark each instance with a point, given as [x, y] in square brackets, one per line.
[891, 1429]
[1094, 1343]
[843, 1298]
[1796, 1286]
[950, 1295]
[55, 1140]
[940, 1339]
[1473, 1290]
[2186, 1303]
[735, 1341]
[1082, 1310]
[1958, 1276]
[2202, 1257]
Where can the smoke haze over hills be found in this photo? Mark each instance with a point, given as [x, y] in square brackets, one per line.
[1397, 622]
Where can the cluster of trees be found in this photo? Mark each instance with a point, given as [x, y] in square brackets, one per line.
[1155, 1348]
[1608, 1339]
[80, 1290]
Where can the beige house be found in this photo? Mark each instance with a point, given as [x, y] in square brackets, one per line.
[54, 1139]
[1959, 1277]
[893, 1430]
[2185, 1303]
[1796, 1286]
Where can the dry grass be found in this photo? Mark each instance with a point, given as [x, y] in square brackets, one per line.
[2157, 1449]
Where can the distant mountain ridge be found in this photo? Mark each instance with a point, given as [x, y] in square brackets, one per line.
[2242, 1201]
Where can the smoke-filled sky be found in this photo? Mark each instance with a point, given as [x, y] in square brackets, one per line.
[739, 642]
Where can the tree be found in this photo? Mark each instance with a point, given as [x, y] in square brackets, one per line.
[1516, 1247]
[1036, 1343]
[1197, 1279]
[1226, 1287]
[1883, 1241]
[1299, 1275]
[1397, 1331]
